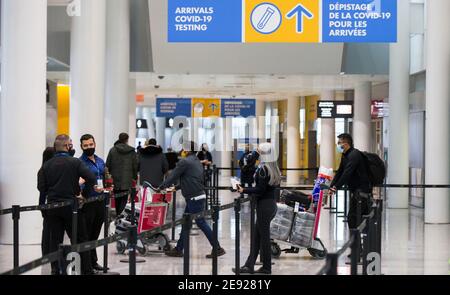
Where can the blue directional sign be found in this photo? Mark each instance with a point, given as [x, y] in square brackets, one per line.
[359, 21]
[173, 107]
[238, 108]
[205, 21]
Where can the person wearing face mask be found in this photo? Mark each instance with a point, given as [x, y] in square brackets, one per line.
[94, 212]
[247, 163]
[60, 181]
[205, 158]
[267, 179]
[353, 173]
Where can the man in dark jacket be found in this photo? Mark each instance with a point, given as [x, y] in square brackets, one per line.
[190, 173]
[353, 173]
[122, 164]
[60, 181]
[153, 164]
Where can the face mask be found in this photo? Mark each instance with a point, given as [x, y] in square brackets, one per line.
[340, 149]
[89, 152]
[72, 152]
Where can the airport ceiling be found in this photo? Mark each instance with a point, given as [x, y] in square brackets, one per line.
[269, 71]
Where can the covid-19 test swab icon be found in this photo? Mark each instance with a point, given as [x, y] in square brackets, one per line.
[265, 18]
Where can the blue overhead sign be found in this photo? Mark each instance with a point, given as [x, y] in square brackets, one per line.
[205, 21]
[238, 108]
[173, 107]
[287, 21]
[359, 21]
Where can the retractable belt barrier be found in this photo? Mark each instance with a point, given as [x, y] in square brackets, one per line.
[87, 246]
[370, 227]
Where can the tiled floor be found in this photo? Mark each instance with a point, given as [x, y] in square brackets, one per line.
[409, 247]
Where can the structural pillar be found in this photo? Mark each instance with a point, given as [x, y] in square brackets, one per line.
[327, 135]
[398, 151]
[161, 131]
[117, 70]
[362, 117]
[87, 73]
[22, 112]
[132, 132]
[293, 140]
[226, 146]
[437, 126]
[261, 120]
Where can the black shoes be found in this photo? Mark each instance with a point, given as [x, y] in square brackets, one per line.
[99, 267]
[243, 270]
[220, 252]
[263, 271]
[174, 253]
[248, 270]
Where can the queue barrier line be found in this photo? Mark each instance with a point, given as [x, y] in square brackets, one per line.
[330, 267]
[87, 246]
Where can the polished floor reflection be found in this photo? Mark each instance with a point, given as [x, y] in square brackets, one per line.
[409, 247]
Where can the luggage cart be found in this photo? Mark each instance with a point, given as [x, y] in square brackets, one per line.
[150, 214]
[299, 232]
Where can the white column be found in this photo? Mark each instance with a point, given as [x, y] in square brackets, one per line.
[87, 73]
[362, 117]
[398, 151]
[227, 145]
[117, 70]
[132, 112]
[293, 140]
[261, 119]
[161, 131]
[22, 112]
[327, 135]
[437, 126]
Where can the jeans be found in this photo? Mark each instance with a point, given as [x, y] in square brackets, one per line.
[193, 207]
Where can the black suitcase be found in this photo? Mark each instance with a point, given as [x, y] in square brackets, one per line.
[291, 197]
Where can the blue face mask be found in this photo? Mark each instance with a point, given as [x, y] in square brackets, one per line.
[340, 149]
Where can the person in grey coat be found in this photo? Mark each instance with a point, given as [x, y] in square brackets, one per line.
[122, 164]
[153, 164]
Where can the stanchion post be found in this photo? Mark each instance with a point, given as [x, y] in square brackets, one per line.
[380, 225]
[188, 225]
[365, 244]
[63, 250]
[332, 261]
[74, 237]
[106, 231]
[215, 218]
[174, 213]
[133, 206]
[354, 255]
[252, 223]
[132, 238]
[358, 209]
[237, 232]
[16, 217]
[345, 205]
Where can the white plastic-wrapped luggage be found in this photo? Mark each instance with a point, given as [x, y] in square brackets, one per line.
[280, 226]
[302, 230]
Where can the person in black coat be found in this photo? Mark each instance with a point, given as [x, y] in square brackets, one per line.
[48, 153]
[267, 178]
[353, 173]
[247, 163]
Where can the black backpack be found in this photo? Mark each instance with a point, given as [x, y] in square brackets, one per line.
[376, 170]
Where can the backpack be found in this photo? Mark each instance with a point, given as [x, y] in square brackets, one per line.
[376, 170]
